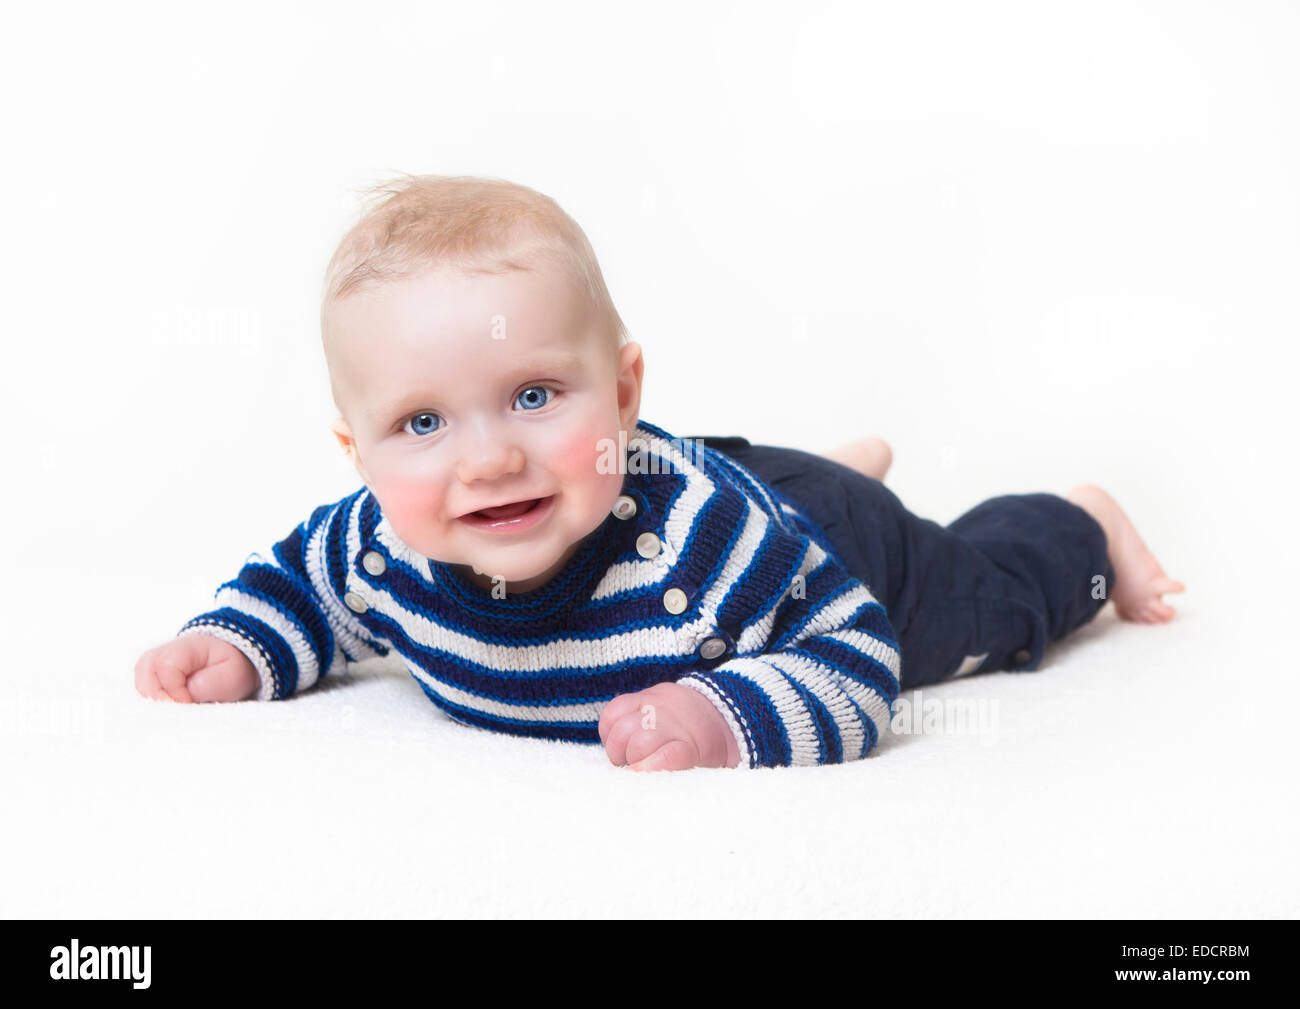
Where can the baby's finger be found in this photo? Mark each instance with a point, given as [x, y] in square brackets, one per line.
[647, 740]
[674, 755]
[613, 711]
[616, 739]
[205, 685]
[146, 683]
[172, 678]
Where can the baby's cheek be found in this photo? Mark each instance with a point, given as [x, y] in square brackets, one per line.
[581, 463]
[577, 457]
[411, 506]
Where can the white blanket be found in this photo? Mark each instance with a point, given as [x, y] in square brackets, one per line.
[1143, 771]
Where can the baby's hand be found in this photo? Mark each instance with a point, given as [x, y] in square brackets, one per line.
[667, 727]
[196, 667]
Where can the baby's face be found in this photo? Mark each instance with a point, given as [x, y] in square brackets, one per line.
[460, 392]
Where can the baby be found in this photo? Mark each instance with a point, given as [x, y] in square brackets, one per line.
[548, 564]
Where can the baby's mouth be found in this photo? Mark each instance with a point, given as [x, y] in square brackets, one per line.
[518, 515]
[507, 511]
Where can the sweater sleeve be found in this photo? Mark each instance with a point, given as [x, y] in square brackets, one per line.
[815, 678]
[284, 609]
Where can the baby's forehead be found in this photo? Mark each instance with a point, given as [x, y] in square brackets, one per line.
[502, 334]
[455, 297]
[380, 343]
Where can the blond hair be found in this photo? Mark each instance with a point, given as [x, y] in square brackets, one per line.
[480, 225]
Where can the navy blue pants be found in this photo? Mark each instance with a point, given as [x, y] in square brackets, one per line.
[987, 592]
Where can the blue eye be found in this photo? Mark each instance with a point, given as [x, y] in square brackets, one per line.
[533, 400]
[422, 423]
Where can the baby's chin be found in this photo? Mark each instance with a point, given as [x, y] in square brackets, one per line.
[516, 578]
[514, 563]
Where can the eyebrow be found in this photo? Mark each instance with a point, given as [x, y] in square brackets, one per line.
[515, 373]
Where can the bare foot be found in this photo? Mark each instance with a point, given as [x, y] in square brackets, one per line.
[871, 456]
[1139, 578]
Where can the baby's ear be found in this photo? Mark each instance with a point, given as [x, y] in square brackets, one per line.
[343, 432]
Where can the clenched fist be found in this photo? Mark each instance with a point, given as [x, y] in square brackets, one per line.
[196, 667]
[667, 727]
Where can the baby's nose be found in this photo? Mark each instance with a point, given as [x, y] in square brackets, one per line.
[487, 459]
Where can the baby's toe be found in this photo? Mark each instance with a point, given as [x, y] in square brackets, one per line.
[1160, 612]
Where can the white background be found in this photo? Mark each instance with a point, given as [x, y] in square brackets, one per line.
[1030, 244]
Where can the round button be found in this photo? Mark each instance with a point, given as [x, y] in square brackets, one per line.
[624, 507]
[674, 600]
[647, 545]
[374, 563]
[1022, 656]
[712, 648]
[355, 602]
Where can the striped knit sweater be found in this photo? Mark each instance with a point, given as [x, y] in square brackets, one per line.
[736, 594]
